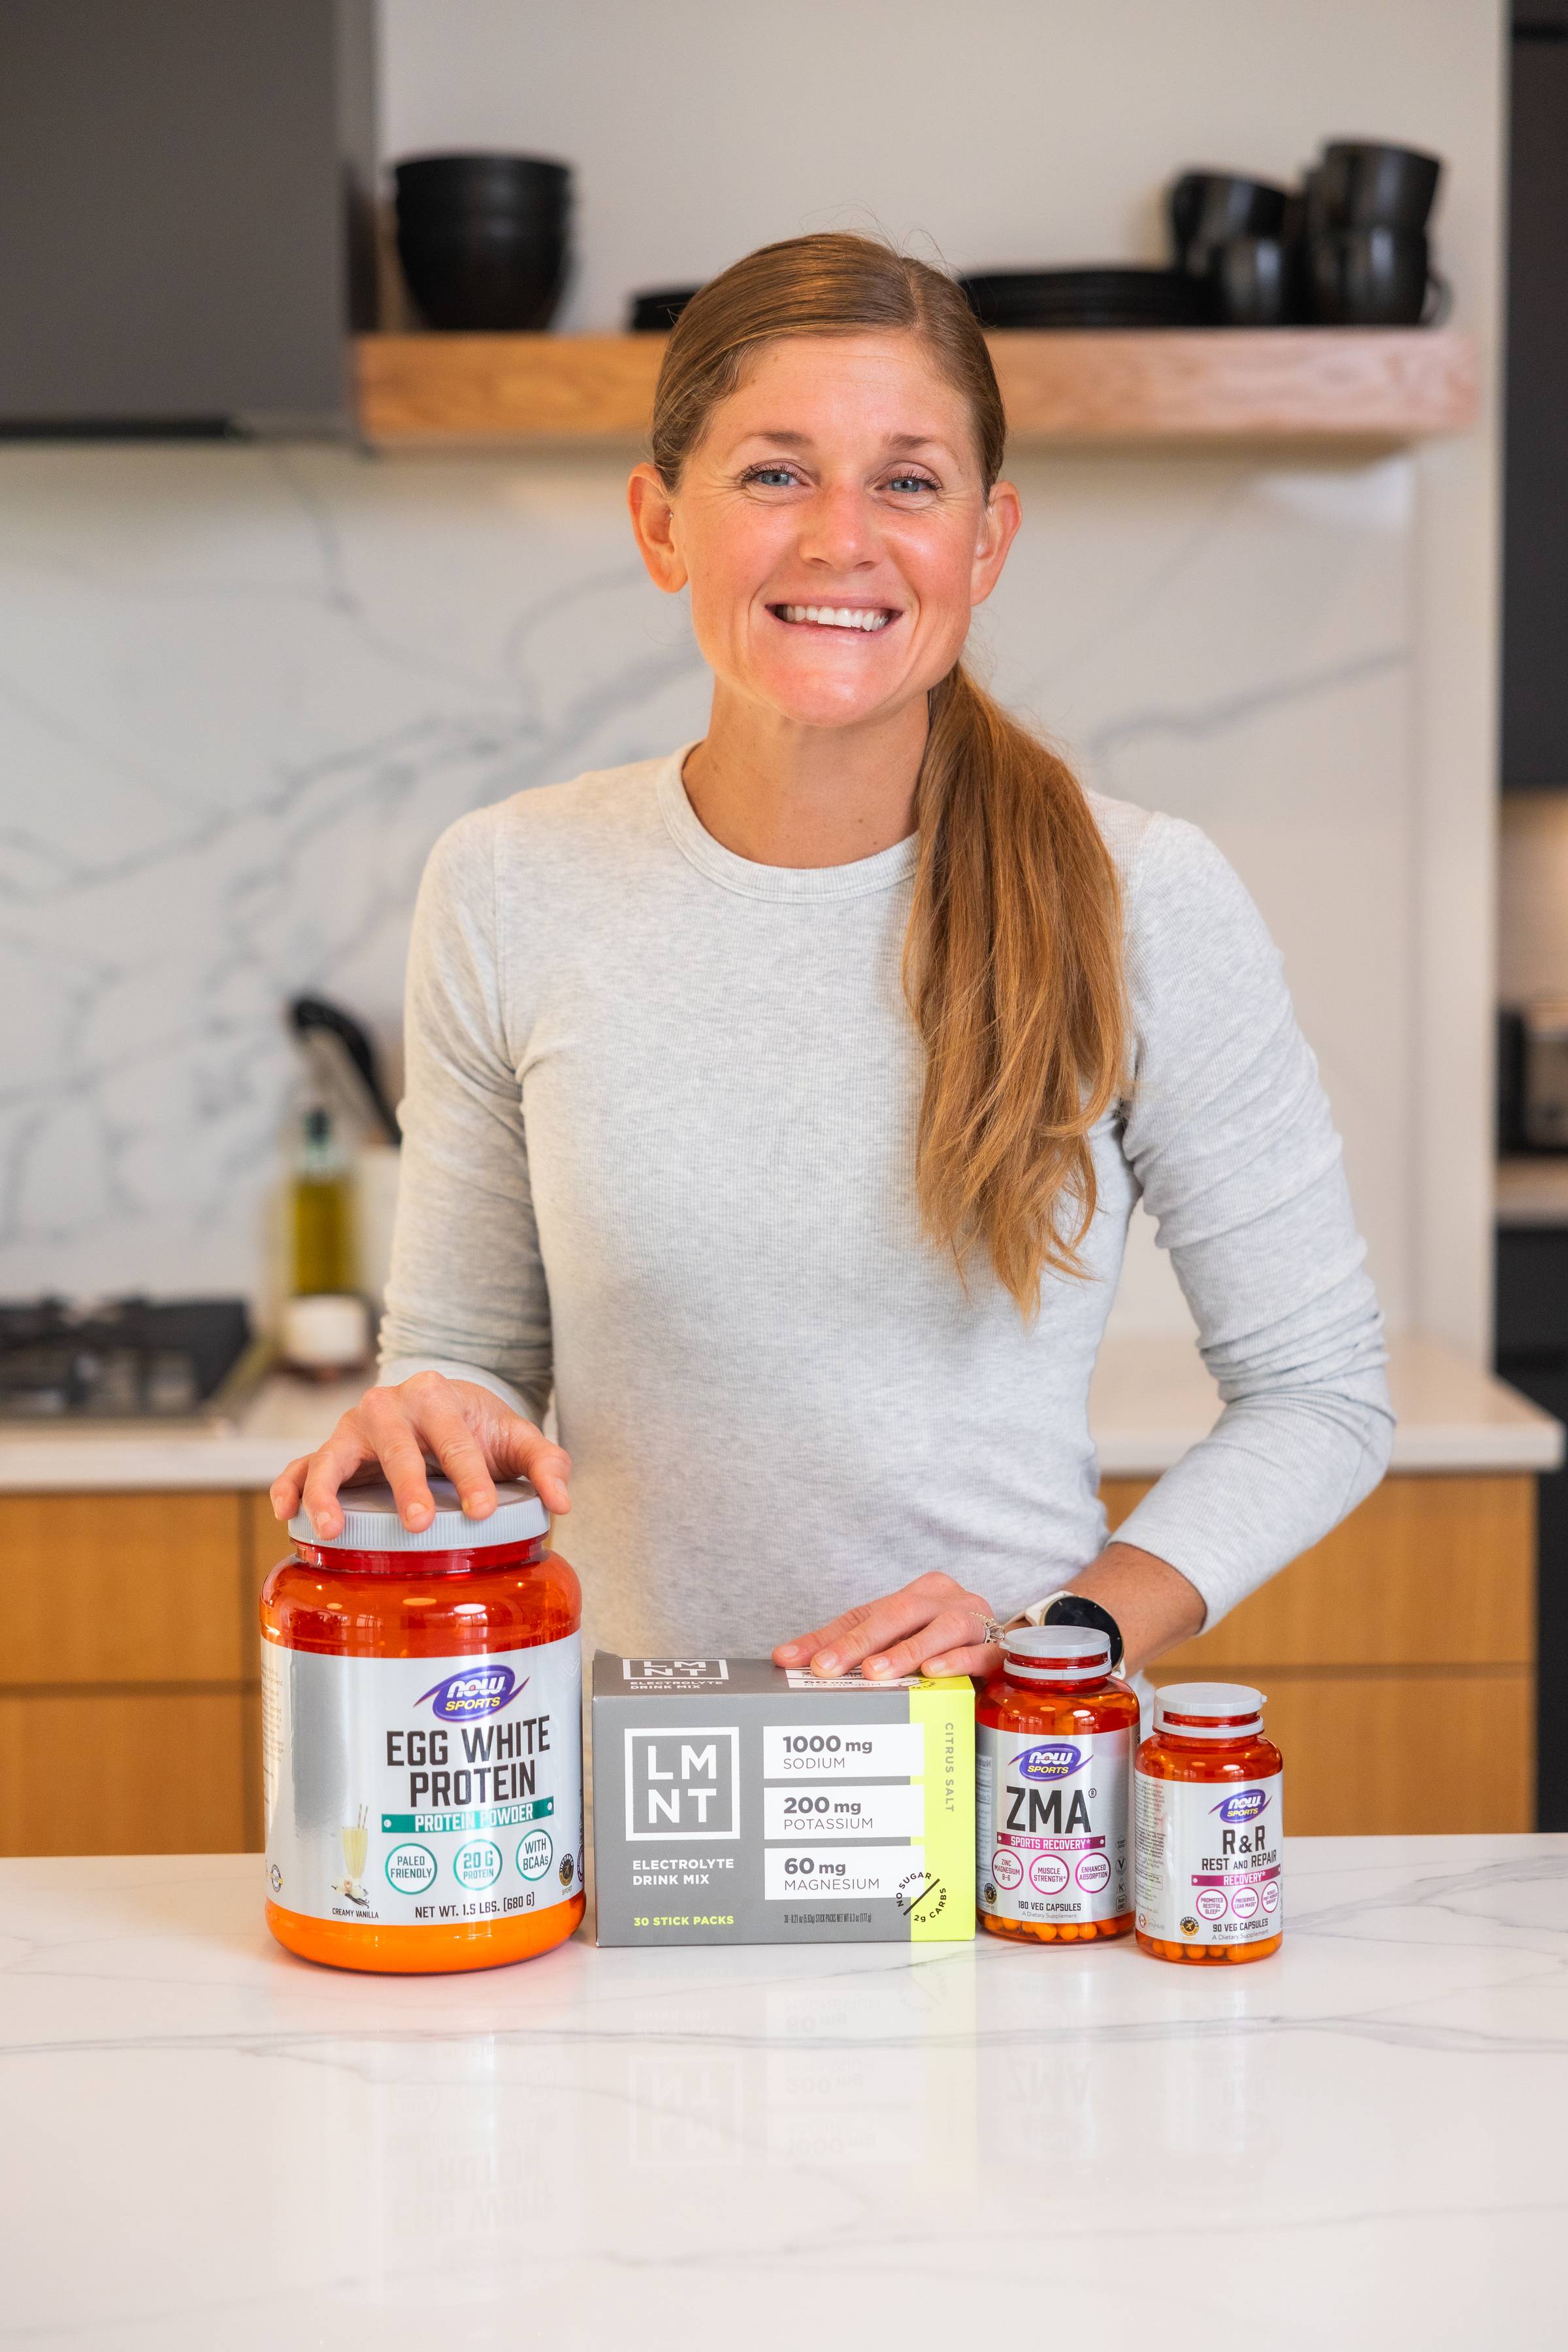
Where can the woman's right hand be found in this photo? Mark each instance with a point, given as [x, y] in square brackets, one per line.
[473, 1433]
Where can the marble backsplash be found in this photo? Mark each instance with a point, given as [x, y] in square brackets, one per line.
[242, 689]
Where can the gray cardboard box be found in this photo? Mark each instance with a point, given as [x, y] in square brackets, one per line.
[737, 1803]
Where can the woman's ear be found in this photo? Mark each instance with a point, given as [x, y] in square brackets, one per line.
[998, 530]
[653, 520]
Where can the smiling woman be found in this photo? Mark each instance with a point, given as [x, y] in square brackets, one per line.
[778, 1106]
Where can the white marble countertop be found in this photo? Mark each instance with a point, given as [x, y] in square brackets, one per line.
[1357, 2143]
[1152, 1399]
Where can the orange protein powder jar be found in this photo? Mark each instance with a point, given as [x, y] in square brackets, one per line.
[1210, 1792]
[1054, 1736]
[422, 1737]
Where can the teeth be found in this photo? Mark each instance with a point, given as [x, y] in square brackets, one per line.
[835, 617]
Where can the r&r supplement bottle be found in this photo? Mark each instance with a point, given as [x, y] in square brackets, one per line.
[1054, 1736]
[1210, 1790]
[422, 1734]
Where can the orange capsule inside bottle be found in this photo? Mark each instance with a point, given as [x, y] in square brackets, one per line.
[1210, 1792]
[1054, 1736]
[422, 1737]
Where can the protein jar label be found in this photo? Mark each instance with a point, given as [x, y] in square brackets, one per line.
[1209, 1860]
[1052, 1825]
[423, 1791]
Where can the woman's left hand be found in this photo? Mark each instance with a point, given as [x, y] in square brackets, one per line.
[932, 1627]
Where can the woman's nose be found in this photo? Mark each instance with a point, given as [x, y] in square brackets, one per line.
[839, 530]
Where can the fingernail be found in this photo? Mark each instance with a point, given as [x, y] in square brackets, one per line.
[825, 1663]
[874, 1666]
[789, 1649]
[477, 1505]
[936, 1666]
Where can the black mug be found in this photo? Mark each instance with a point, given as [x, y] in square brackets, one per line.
[1376, 278]
[1364, 183]
[1209, 209]
[1252, 282]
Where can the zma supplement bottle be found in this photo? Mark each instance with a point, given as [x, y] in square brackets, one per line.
[1210, 1790]
[422, 1734]
[1054, 1735]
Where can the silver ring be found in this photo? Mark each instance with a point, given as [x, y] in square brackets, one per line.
[990, 1630]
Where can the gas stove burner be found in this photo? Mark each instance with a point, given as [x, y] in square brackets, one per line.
[120, 1358]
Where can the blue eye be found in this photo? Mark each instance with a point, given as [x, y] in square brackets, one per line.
[910, 482]
[777, 476]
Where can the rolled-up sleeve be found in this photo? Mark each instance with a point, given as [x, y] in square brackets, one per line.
[1230, 1138]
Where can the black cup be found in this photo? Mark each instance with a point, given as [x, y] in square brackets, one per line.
[436, 189]
[1375, 277]
[656, 311]
[485, 276]
[1210, 208]
[1252, 282]
[1362, 183]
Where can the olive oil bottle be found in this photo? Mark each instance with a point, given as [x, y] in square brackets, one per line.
[322, 1232]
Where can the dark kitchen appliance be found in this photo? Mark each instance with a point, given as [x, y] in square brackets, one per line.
[1099, 298]
[484, 240]
[124, 1360]
[1532, 1076]
[654, 313]
[187, 215]
[1535, 472]
[1532, 1352]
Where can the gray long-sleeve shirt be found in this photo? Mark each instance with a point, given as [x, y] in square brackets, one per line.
[659, 1158]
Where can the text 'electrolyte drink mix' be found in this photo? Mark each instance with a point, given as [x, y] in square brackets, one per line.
[737, 1802]
[1210, 1792]
[422, 1737]
[1054, 1737]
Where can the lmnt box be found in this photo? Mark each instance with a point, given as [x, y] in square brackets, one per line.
[737, 1803]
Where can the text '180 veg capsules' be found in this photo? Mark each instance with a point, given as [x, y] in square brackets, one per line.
[1210, 1790]
[1054, 1735]
[422, 1737]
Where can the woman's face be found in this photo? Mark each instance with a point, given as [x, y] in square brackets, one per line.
[834, 528]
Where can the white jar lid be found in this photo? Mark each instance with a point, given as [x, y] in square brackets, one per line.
[1057, 1654]
[371, 1522]
[1209, 1710]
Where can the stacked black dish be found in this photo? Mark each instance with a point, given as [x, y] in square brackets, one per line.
[1108, 296]
[483, 239]
[654, 313]
[1348, 250]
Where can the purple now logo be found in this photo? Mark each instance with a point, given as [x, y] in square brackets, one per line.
[1056, 1760]
[1245, 1806]
[477, 1690]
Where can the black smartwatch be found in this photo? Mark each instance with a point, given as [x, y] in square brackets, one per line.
[1072, 1609]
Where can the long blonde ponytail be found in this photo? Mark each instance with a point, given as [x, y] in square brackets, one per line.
[1013, 954]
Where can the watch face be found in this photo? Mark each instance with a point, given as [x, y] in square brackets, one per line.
[1072, 1609]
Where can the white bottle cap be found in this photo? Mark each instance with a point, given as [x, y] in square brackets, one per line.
[1209, 1710]
[371, 1522]
[1057, 1654]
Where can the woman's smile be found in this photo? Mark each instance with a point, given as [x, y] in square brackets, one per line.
[863, 620]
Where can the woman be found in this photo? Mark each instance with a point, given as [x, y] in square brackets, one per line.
[780, 1106]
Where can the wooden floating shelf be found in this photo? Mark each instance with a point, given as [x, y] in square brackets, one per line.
[1332, 386]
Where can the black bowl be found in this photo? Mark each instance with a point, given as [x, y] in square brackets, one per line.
[443, 186]
[654, 313]
[485, 277]
[1364, 184]
[1209, 209]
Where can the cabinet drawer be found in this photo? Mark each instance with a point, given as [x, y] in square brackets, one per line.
[1427, 1572]
[1400, 1755]
[125, 1772]
[120, 1588]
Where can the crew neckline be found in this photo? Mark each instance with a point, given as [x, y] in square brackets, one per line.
[698, 847]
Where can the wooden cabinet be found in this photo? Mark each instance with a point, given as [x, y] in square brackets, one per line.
[1398, 1656]
[128, 1672]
